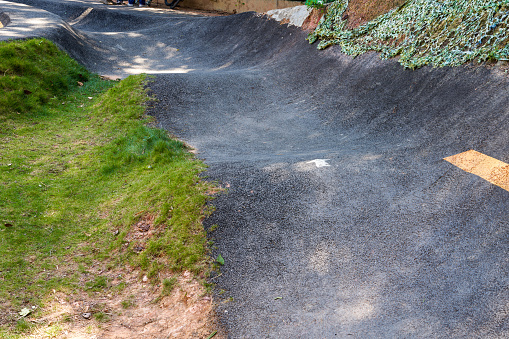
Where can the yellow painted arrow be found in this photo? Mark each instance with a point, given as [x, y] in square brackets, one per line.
[488, 168]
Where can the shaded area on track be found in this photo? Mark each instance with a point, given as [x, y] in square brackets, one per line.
[389, 240]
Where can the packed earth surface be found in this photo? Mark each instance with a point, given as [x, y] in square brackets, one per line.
[347, 212]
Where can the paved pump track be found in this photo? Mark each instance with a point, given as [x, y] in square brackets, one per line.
[352, 208]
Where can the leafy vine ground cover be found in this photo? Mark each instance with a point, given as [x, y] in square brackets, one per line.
[421, 32]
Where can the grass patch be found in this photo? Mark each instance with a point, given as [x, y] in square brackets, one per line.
[101, 317]
[80, 168]
[32, 72]
[23, 326]
[99, 283]
[169, 285]
[128, 303]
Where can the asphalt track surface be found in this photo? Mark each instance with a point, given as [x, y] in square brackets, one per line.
[387, 241]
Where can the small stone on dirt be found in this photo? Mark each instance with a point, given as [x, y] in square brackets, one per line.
[143, 227]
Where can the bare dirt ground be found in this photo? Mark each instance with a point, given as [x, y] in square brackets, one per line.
[137, 311]
[361, 11]
[130, 305]
[358, 12]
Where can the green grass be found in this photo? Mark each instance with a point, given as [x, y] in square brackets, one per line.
[100, 282]
[128, 303]
[169, 285]
[101, 317]
[79, 167]
[31, 74]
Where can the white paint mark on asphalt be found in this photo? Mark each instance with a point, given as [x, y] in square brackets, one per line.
[319, 162]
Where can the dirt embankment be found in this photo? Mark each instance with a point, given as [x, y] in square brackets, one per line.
[358, 13]
[361, 11]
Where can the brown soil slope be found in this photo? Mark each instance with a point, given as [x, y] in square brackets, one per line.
[362, 11]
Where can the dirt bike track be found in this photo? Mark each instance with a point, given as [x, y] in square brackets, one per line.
[342, 219]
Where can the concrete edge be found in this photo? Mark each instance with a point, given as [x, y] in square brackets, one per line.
[293, 16]
[300, 16]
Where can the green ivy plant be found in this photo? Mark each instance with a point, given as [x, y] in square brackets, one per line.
[317, 3]
[421, 32]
